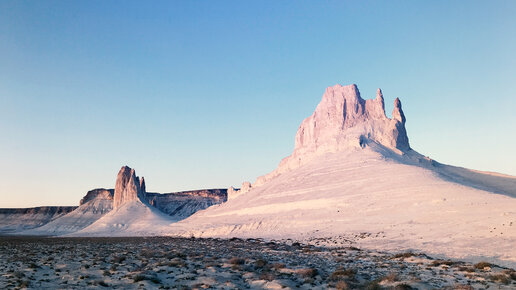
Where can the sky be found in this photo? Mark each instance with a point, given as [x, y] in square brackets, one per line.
[207, 94]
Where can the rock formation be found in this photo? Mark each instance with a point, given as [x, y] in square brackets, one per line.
[343, 116]
[99, 192]
[344, 121]
[127, 187]
[232, 192]
[142, 185]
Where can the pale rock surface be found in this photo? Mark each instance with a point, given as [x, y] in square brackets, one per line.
[353, 179]
[127, 187]
[93, 206]
[341, 121]
[233, 193]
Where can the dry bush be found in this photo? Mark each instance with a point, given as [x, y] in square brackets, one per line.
[392, 277]
[237, 261]
[482, 265]
[308, 272]
[260, 263]
[463, 287]
[342, 285]
[499, 278]
[342, 274]
[403, 286]
[441, 262]
[405, 255]
[268, 276]
[277, 266]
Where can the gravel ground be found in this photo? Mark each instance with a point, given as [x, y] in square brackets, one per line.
[182, 263]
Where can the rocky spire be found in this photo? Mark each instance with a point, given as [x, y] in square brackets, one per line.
[397, 113]
[399, 133]
[142, 185]
[127, 187]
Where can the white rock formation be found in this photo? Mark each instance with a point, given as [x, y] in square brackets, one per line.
[128, 187]
[342, 121]
[233, 193]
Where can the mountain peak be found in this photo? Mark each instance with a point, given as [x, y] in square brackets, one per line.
[344, 121]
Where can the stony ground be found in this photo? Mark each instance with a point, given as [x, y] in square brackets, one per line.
[181, 263]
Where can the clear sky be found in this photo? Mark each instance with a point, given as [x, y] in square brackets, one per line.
[205, 94]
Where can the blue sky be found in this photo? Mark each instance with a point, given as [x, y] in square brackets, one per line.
[204, 94]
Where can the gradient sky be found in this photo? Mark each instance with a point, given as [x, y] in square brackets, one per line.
[204, 94]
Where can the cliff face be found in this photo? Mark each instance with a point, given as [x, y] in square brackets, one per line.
[180, 205]
[127, 187]
[19, 219]
[95, 193]
[343, 116]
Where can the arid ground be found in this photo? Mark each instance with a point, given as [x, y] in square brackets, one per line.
[165, 263]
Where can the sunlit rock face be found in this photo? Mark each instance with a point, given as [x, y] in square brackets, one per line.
[344, 121]
[343, 116]
[127, 187]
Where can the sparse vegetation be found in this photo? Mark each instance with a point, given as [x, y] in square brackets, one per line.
[175, 263]
[482, 265]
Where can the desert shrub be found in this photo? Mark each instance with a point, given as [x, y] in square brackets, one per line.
[512, 274]
[403, 286]
[155, 280]
[308, 272]
[119, 259]
[23, 283]
[342, 285]
[268, 276]
[138, 278]
[405, 255]
[392, 277]
[342, 274]
[372, 285]
[176, 263]
[260, 263]
[19, 274]
[467, 269]
[482, 265]
[278, 266]
[441, 262]
[463, 287]
[499, 278]
[102, 283]
[237, 261]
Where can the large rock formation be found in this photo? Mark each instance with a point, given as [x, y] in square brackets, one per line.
[343, 118]
[95, 193]
[180, 205]
[344, 121]
[127, 187]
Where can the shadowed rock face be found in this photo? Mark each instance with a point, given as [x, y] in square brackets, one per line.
[19, 219]
[127, 187]
[99, 192]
